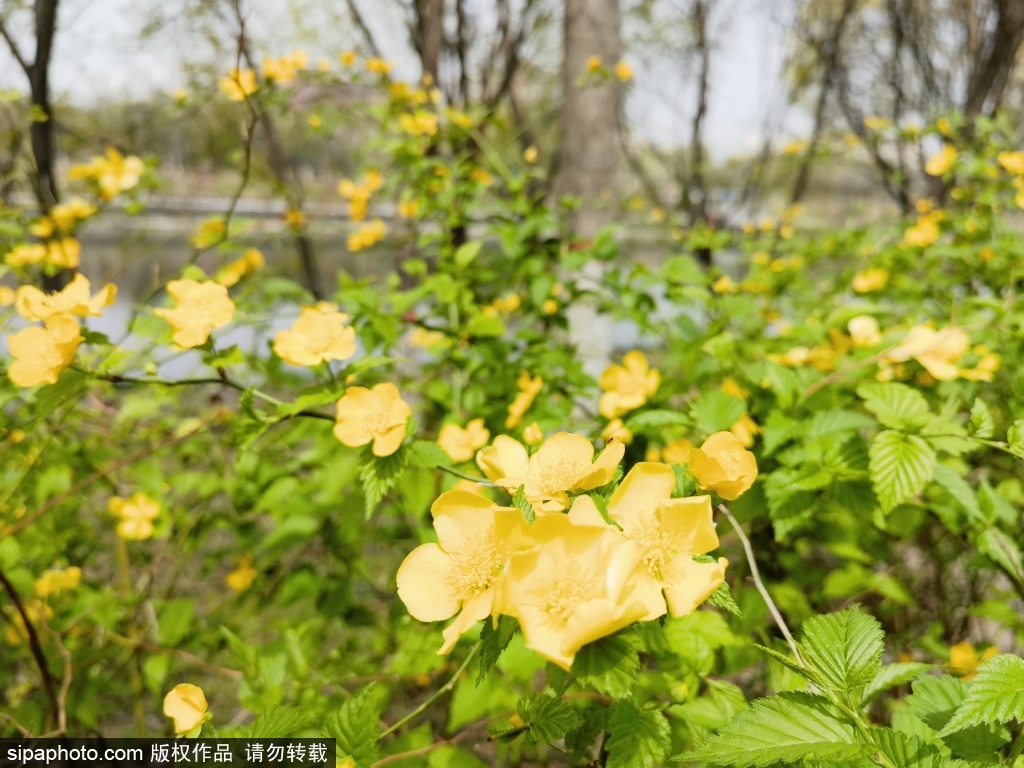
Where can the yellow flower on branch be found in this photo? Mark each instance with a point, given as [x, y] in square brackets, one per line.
[627, 386]
[74, 299]
[938, 351]
[533, 434]
[26, 254]
[965, 659]
[724, 466]
[348, 58]
[529, 388]
[377, 415]
[318, 336]
[871, 279]
[239, 84]
[670, 532]
[250, 261]
[623, 71]
[565, 464]
[377, 66]
[200, 308]
[1012, 162]
[940, 163]
[113, 174]
[617, 430]
[745, 430]
[40, 354]
[594, 64]
[240, 579]
[53, 582]
[864, 331]
[419, 123]
[65, 216]
[924, 232]
[367, 235]
[136, 516]
[458, 575]
[678, 451]
[462, 444]
[186, 705]
[7, 296]
[505, 457]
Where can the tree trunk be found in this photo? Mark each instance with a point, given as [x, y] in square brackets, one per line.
[430, 34]
[991, 72]
[42, 129]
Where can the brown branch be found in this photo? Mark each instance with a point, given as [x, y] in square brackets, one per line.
[357, 17]
[15, 50]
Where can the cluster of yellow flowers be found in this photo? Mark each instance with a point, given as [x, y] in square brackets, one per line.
[419, 123]
[199, 308]
[940, 352]
[870, 280]
[284, 69]
[239, 84]
[41, 353]
[63, 253]
[63, 217]
[246, 264]
[926, 230]
[112, 174]
[942, 162]
[53, 582]
[570, 576]
[135, 516]
[367, 235]
[358, 195]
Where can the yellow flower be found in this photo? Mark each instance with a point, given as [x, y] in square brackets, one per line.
[458, 575]
[315, 121]
[724, 284]
[563, 464]
[984, 370]
[594, 65]
[199, 308]
[113, 174]
[186, 705]
[66, 215]
[348, 58]
[533, 434]
[627, 386]
[731, 388]
[281, 71]
[871, 279]
[239, 84]
[7, 296]
[505, 457]
[795, 147]
[425, 338]
[295, 218]
[877, 123]
[136, 516]
[462, 444]
[367, 235]
[623, 71]
[318, 336]
[240, 579]
[937, 351]
[459, 118]
[480, 176]
[616, 430]
[939, 164]
[678, 451]
[670, 532]
[864, 331]
[211, 232]
[407, 209]
[40, 354]
[379, 415]
[529, 388]
[63, 253]
[250, 261]
[74, 299]
[573, 589]
[55, 581]
[419, 123]
[923, 233]
[964, 658]
[1013, 162]
[745, 429]
[722, 465]
[530, 154]
[377, 66]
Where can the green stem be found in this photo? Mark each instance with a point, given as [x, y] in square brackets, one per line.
[436, 695]
[464, 476]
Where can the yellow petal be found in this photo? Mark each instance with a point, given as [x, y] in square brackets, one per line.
[643, 489]
[424, 586]
[186, 705]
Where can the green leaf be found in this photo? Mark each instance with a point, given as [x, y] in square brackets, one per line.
[901, 466]
[519, 502]
[784, 728]
[278, 722]
[379, 475]
[71, 385]
[355, 727]
[994, 696]
[547, 717]
[637, 738]
[982, 423]
[225, 357]
[908, 751]
[893, 675]
[845, 647]
[656, 419]
[485, 326]
[895, 405]
[1002, 550]
[1015, 437]
[467, 253]
[493, 642]
[722, 598]
[427, 455]
[811, 675]
[717, 411]
[959, 489]
[935, 699]
[610, 665]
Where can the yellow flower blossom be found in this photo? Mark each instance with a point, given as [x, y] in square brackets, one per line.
[530, 154]
[627, 386]
[529, 388]
[1012, 162]
[670, 532]
[315, 121]
[678, 451]
[940, 163]
[795, 147]
[295, 218]
[377, 415]
[509, 303]
[458, 575]
[378, 66]
[250, 261]
[186, 705]
[573, 589]
[424, 338]
[113, 174]
[870, 279]
[65, 216]
[505, 457]
[984, 369]
[461, 444]
[199, 308]
[731, 388]
[937, 351]
[239, 84]
[7, 296]
[616, 430]
[53, 582]
[874, 123]
[407, 209]
[419, 123]
[723, 285]
[40, 354]
[623, 71]
[348, 58]
[74, 299]
[864, 331]
[724, 466]
[318, 336]
[459, 118]
[594, 64]
[564, 464]
[533, 434]
[136, 516]
[367, 235]
[549, 307]
[965, 659]
[323, 65]
[240, 579]
[482, 177]
[745, 430]
[923, 233]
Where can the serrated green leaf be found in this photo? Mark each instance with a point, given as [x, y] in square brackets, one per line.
[901, 466]
[379, 474]
[493, 642]
[811, 675]
[895, 405]
[70, 386]
[893, 675]
[548, 717]
[427, 455]
[845, 647]
[355, 727]
[637, 737]
[907, 751]
[722, 598]
[717, 411]
[1002, 550]
[784, 728]
[279, 722]
[959, 489]
[993, 697]
[935, 699]
[519, 501]
[656, 419]
[1015, 437]
[982, 423]
[610, 665]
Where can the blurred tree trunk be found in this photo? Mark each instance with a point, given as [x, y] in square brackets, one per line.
[993, 66]
[429, 35]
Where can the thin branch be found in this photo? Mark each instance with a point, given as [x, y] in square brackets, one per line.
[360, 22]
[15, 50]
[436, 695]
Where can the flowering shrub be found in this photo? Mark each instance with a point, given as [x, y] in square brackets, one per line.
[838, 420]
